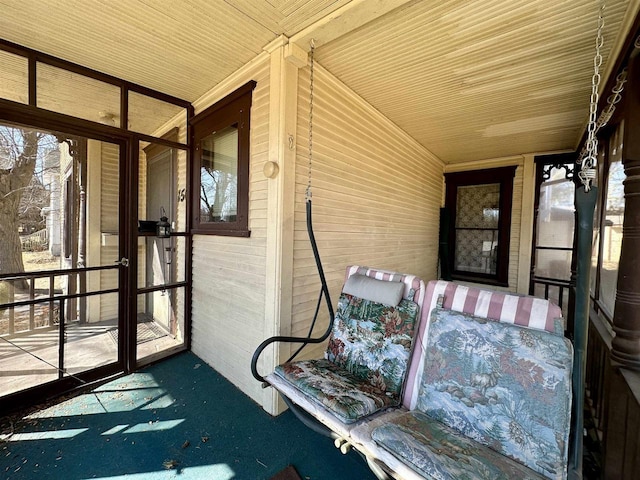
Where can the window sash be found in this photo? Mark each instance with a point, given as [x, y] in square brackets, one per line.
[490, 218]
[221, 166]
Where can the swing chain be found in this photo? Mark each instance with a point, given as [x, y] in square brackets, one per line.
[308, 191]
[613, 99]
[588, 170]
[612, 102]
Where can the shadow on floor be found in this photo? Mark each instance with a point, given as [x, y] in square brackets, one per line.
[176, 419]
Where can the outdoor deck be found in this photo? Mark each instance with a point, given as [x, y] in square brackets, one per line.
[86, 346]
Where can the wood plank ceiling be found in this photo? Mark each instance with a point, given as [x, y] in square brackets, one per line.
[476, 80]
[468, 80]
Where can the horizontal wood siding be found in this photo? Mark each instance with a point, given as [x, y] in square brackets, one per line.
[229, 272]
[141, 252]
[181, 225]
[109, 204]
[514, 242]
[376, 196]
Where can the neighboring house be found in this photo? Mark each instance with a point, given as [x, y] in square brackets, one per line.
[51, 213]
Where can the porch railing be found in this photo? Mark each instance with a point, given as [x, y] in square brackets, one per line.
[35, 242]
[36, 314]
[614, 398]
[598, 370]
[26, 310]
[559, 292]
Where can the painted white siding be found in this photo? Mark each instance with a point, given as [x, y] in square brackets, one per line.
[181, 224]
[228, 272]
[376, 196]
[516, 215]
[109, 203]
[142, 215]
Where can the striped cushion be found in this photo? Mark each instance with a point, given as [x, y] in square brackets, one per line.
[505, 307]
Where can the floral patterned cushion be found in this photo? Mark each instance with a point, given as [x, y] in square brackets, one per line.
[437, 451]
[365, 362]
[502, 385]
[346, 396]
[373, 341]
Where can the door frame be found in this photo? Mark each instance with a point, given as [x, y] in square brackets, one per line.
[154, 154]
[557, 161]
[67, 383]
[129, 144]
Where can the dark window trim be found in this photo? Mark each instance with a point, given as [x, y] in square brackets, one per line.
[34, 56]
[504, 176]
[235, 108]
[542, 161]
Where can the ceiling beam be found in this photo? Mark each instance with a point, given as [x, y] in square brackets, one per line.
[344, 20]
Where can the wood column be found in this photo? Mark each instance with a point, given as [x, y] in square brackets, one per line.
[280, 172]
[626, 318]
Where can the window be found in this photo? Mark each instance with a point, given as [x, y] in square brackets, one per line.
[221, 159]
[553, 230]
[608, 223]
[479, 206]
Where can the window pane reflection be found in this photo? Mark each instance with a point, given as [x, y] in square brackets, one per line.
[612, 234]
[556, 211]
[219, 176]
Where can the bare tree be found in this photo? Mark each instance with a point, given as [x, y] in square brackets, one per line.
[19, 189]
[217, 194]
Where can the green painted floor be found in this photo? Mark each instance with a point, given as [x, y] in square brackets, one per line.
[178, 419]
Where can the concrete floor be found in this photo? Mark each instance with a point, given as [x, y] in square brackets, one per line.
[86, 346]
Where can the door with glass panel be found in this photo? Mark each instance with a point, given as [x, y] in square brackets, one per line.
[162, 250]
[60, 259]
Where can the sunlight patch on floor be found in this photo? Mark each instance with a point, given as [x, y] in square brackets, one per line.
[221, 471]
[48, 435]
[154, 426]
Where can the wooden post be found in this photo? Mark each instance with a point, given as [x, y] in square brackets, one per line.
[585, 206]
[626, 317]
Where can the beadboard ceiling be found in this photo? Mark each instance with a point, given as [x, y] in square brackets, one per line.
[469, 80]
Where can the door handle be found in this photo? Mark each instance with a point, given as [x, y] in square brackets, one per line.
[123, 261]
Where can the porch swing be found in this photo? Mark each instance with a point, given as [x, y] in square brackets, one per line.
[442, 415]
[366, 290]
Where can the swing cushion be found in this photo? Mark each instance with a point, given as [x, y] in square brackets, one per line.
[365, 362]
[367, 288]
[501, 385]
[438, 451]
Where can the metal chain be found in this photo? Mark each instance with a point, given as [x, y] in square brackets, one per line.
[607, 113]
[308, 191]
[613, 99]
[588, 170]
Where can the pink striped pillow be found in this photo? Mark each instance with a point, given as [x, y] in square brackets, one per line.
[527, 311]
[523, 310]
